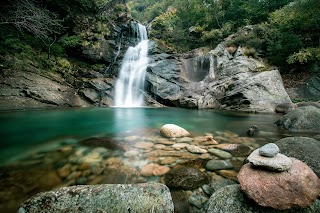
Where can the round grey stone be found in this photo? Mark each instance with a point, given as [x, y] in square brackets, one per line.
[269, 150]
[218, 165]
[220, 153]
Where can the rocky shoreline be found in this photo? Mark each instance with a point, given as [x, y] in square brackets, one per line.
[196, 168]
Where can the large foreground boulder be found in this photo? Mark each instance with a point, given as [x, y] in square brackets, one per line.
[297, 187]
[302, 119]
[147, 197]
[232, 199]
[302, 148]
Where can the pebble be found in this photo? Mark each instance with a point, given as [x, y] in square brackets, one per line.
[229, 174]
[144, 145]
[131, 153]
[196, 149]
[269, 150]
[159, 146]
[64, 171]
[184, 140]
[81, 181]
[220, 153]
[195, 200]
[147, 170]
[74, 175]
[179, 145]
[132, 138]
[218, 165]
[160, 170]
[207, 189]
[168, 160]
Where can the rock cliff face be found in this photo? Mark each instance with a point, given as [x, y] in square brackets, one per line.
[217, 79]
[105, 30]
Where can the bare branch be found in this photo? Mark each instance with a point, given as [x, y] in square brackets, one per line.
[26, 15]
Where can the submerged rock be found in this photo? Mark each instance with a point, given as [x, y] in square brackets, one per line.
[146, 197]
[186, 178]
[173, 131]
[298, 187]
[218, 165]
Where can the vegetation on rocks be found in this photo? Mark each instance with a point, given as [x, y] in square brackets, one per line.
[285, 32]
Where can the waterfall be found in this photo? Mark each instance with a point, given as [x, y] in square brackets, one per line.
[130, 83]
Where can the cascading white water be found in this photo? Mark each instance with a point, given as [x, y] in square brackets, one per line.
[130, 84]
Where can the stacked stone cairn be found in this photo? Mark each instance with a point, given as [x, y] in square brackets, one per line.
[274, 180]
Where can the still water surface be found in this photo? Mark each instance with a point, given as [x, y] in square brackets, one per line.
[45, 149]
[22, 131]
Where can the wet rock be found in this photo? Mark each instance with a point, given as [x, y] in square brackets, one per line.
[154, 169]
[168, 160]
[173, 131]
[278, 163]
[217, 182]
[269, 150]
[220, 153]
[232, 199]
[302, 148]
[196, 149]
[180, 200]
[144, 145]
[159, 146]
[253, 130]
[184, 140]
[131, 153]
[105, 142]
[122, 174]
[160, 170]
[229, 174]
[207, 189]
[106, 198]
[298, 187]
[285, 107]
[227, 147]
[218, 165]
[64, 171]
[147, 170]
[186, 178]
[179, 145]
[197, 200]
[302, 119]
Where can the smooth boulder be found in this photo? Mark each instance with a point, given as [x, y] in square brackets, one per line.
[232, 199]
[173, 131]
[146, 197]
[302, 119]
[298, 187]
[302, 148]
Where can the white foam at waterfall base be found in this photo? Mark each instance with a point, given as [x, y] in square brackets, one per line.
[129, 91]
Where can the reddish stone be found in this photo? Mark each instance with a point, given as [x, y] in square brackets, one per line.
[297, 187]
